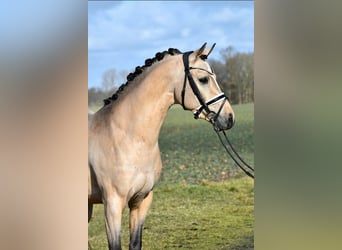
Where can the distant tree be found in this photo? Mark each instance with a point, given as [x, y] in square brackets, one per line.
[109, 79]
[122, 75]
[238, 75]
[227, 53]
[96, 96]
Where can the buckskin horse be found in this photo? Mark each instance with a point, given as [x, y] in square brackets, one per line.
[124, 157]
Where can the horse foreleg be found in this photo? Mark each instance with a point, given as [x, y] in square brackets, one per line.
[136, 220]
[113, 212]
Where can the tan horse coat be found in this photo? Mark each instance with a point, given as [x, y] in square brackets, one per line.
[124, 155]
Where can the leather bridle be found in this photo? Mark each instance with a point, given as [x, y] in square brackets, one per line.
[204, 105]
[211, 115]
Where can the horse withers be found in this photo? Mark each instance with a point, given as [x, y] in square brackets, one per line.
[124, 156]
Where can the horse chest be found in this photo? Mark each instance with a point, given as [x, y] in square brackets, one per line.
[140, 186]
[144, 162]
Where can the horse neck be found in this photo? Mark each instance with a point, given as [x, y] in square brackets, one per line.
[142, 110]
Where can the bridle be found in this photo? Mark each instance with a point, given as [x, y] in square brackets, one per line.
[204, 105]
[210, 115]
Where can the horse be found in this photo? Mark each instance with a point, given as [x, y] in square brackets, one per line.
[123, 156]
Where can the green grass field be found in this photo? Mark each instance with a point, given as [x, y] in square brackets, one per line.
[202, 201]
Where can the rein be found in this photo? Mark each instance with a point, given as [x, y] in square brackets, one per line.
[249, 172]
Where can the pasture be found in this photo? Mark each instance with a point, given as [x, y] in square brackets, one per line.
[202, 201]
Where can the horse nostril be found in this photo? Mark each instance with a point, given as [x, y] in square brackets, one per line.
[230, 120]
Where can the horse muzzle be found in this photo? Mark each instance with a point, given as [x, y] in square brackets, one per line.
[221, 122]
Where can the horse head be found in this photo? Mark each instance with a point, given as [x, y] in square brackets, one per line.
[200, 92]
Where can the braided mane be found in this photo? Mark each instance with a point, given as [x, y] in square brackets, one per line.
[140, 69]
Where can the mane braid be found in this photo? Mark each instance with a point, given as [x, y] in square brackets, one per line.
[140, 69]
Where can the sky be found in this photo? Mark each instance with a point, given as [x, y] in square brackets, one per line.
[122, 34]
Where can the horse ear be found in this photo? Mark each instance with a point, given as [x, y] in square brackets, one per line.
[211, 49]
[200, 50]
[206, 53]
[202, 53]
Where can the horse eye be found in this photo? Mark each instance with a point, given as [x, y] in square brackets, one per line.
[204, 80]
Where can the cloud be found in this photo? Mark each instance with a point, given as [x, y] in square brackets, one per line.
[127, 24]
[136, 30]
[148, 23]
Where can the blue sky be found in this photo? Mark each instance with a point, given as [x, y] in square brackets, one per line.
[121, 35]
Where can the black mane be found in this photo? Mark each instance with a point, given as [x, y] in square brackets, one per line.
[139, 69]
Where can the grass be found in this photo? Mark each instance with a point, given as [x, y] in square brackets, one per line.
[192, 153]
[207, 216]
[202, 200]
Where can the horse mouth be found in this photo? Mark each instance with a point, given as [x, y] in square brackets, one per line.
[218, 128]
[223, 124]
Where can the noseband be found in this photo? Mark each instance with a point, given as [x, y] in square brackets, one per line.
[204, 105]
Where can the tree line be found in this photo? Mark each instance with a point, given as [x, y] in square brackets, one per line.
[234, 72]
